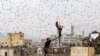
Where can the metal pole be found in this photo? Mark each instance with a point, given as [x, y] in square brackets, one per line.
[59, 29]
[59, 41]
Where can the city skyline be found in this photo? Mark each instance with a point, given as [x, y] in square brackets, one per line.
[36, 18]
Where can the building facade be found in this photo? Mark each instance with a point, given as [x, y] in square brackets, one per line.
[11, 52]
[13, 39]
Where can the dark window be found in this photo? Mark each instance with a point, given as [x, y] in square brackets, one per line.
[15, 52]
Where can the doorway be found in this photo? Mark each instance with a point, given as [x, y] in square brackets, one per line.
[6, 54]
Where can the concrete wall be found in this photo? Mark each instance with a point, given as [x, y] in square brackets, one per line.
[82, 51]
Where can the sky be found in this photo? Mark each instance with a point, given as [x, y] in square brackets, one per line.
[36, 18]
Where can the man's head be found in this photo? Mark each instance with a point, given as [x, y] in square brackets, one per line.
[48, 39]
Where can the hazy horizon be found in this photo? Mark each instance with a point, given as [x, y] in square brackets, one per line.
[36, 18]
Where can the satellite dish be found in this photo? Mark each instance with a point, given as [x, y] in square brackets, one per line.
[94, 35]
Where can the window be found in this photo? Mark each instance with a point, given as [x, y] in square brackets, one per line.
[15, 52]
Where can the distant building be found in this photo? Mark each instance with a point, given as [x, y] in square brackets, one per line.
[13, 39]
[77, 40]
[72, 31]
[28, 42]
[67, 40]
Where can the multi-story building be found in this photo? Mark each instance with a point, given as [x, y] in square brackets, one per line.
[13, 39]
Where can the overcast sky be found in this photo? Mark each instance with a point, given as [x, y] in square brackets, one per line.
[36, 18]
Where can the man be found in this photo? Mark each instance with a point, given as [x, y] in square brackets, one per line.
[47, 45]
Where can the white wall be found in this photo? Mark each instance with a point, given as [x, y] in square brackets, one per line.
[40, 50]
[9, 52]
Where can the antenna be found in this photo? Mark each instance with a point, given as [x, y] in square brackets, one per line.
[83, 34]
[72, 30]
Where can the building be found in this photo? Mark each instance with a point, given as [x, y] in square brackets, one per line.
[13, 39]
[77, 40]
[67, 40]
[10, 52]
